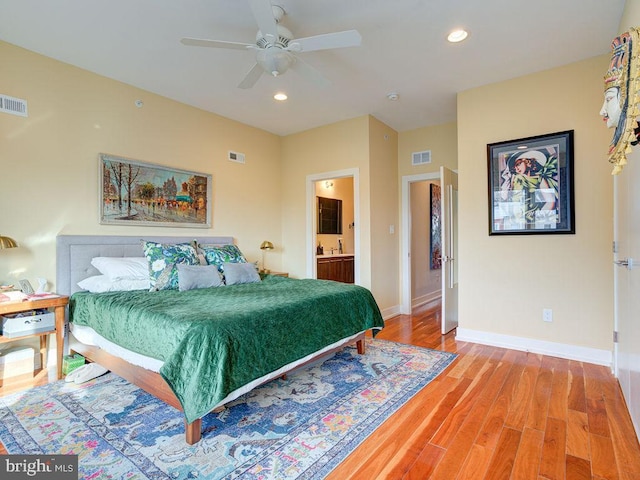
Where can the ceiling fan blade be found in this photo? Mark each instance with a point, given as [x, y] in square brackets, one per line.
[263, 13]
[310, 73]
[251, 77]
[201, 42]
[348, 38]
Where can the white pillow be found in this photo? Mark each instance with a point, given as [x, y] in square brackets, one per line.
[117, 268]
[102, 283]
[198, 276]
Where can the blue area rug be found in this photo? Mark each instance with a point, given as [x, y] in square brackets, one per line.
[298, 428]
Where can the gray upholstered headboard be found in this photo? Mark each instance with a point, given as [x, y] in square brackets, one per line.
[74, 253]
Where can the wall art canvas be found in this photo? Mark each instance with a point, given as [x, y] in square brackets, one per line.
[140, 193]
[531, 185]
[436, 228]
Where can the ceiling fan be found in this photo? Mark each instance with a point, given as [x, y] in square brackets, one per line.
[276, 47]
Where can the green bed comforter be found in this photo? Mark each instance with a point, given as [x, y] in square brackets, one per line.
[215, 340]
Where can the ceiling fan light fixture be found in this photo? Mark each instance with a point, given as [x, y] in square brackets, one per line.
[274, 60]
[280, 96]
[275, 45]
[457, 35]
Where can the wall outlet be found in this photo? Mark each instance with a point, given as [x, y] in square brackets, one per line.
[547, 315]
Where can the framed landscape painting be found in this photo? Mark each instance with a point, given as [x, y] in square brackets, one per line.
[139, 193]
[531, 185]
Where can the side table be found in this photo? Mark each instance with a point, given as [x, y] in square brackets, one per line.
[56, 302]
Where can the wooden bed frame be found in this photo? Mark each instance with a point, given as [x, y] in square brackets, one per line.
[73, 263]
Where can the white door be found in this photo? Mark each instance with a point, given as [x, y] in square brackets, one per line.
[449, 189]
[627, 284]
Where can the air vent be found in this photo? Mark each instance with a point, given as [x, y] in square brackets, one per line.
[420, 158]
[14, 106]
[236, 157]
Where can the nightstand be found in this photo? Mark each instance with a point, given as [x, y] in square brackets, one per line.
[58, 303]
[279, 274]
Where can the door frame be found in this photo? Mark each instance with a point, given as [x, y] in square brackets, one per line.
[311, 218]
[405, 249]
[616, 273]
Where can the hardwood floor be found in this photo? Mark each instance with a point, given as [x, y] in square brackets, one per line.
[495, 414]
[499, 414]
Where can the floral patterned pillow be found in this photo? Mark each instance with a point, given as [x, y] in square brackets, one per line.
[163, 259]
[218, 255]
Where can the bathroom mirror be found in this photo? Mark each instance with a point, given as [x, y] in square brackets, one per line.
[329, 216]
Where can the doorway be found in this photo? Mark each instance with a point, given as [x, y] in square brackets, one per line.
[407, 221]
[320, 183]
[448, 192]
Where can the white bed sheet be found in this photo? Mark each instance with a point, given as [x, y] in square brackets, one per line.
[89, 336]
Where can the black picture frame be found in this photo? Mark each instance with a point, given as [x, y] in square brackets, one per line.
[329, 216]
[435, 243]
[531, 186]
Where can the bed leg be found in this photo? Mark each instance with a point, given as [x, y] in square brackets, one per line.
[193, 431]
[360, 346]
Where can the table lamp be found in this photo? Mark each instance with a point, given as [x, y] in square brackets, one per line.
[266, 245]
[8, 242]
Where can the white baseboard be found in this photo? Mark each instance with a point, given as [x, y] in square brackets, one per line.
[570, 352]
[424, 299]
[390, 312]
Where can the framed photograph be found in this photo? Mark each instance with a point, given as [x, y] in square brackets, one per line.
[139, 193]
[531, 185]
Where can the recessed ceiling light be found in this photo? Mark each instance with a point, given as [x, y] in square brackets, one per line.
[457, 36]
[281, 97]
[393, 96]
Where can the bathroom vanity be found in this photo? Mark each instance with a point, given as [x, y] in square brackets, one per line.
[338, 267]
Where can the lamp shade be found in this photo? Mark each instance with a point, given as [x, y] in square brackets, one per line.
[266, 245]
[8, 242]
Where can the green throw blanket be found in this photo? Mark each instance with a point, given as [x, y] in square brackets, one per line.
[215, 340]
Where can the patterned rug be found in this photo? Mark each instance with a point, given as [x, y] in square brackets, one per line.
[301, 427]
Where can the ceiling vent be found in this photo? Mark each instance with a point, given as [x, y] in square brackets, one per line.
[14, 106]
[421, 158]
[236, 157]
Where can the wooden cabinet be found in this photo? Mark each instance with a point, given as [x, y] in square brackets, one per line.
[348, 269]
[339, 269]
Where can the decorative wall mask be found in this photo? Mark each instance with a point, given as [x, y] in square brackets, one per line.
[620, 107]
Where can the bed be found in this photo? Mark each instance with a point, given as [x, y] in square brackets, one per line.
[199, 349]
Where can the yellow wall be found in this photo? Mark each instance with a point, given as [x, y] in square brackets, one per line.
[630, 16]
[49, 185]
[506, 281]
[442, 140]
[339, 146]
[385, 248]
[49, 161]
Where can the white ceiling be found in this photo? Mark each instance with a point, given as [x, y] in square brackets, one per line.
[403, 50]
